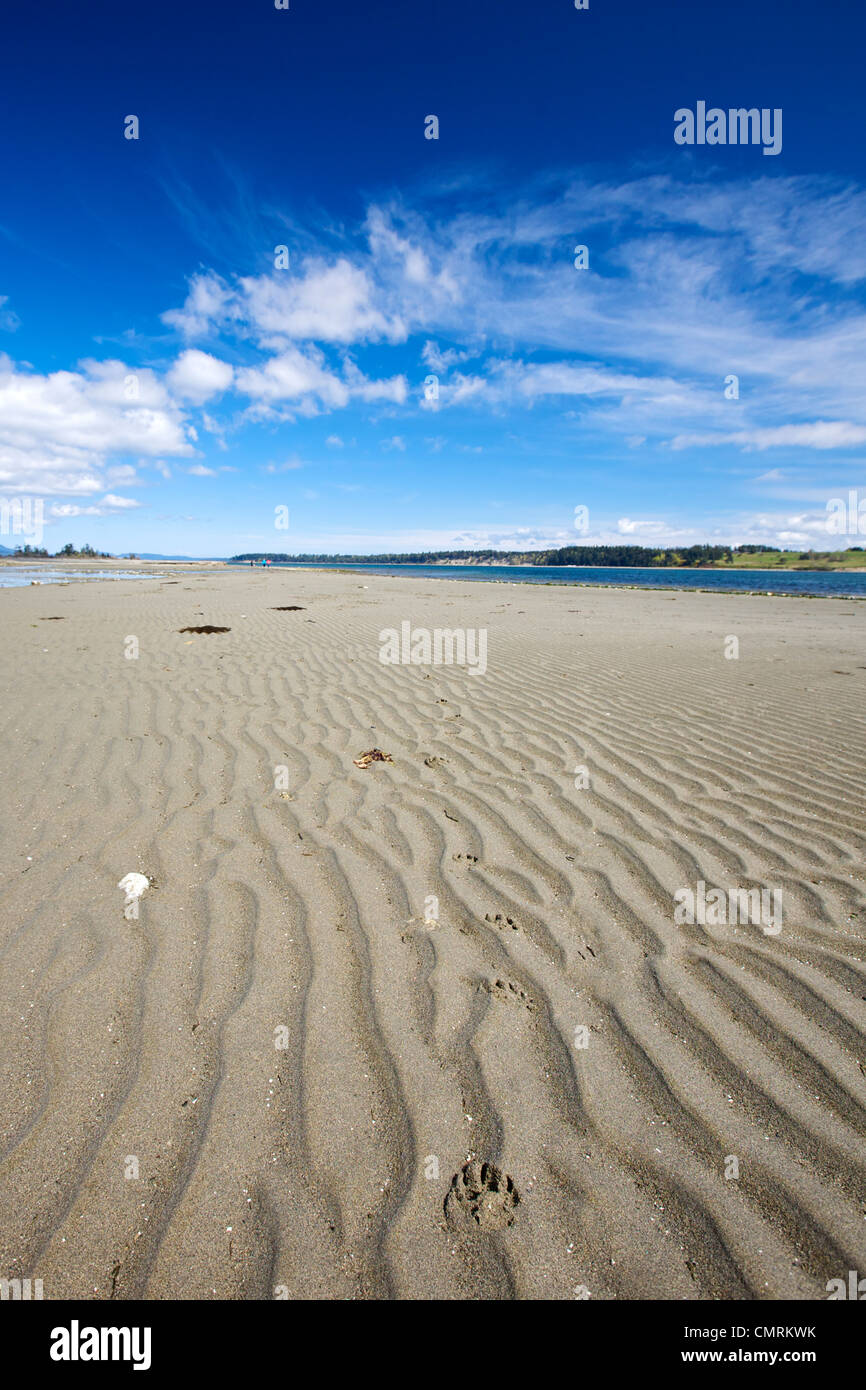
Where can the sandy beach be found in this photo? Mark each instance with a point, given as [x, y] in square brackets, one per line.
[429, 1028]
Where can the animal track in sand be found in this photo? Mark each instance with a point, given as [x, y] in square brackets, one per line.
[502, 922]
[470, 858]
[510, 992]
[289, 608]
[206, 628]
[482, 1193]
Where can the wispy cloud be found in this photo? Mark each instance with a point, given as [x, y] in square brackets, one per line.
[690, 285]
[691, 281]
[9, 321]
[821, 434]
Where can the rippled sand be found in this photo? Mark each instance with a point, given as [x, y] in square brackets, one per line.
[298, 1050]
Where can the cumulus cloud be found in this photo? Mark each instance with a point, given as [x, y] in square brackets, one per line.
[294, 375]
[304, 378]
[111, 505]
[208, 305]
[330, 303]
[57, 431]
[327, 303]
[197, 376]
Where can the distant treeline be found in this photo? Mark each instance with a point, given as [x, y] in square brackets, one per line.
[625, 556]
[32, 552]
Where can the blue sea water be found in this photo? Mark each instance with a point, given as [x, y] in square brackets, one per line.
[14, 578]
[806, 582]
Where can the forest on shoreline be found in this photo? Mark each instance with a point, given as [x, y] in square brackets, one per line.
[603, 556]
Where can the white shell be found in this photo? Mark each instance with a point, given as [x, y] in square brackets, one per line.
[134, 885]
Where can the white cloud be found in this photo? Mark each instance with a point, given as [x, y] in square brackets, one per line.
[821, 434]
[294, 376]
[197, 376]
[326, 303]
[120, 503]
[330, 303]
[208, 304]
[199, 470]
[57, 431]
[442, 361]
[304, 378]
[690, 281]
[110, 505]
[288, 466]
[651, 529]
[463, 388]
[567, 379]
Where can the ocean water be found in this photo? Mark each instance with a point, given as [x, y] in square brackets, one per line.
[816, 583]
[14, 578]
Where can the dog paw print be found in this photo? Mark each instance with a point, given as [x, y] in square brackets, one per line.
[500, 921]
[510, 993]
[482, 1194]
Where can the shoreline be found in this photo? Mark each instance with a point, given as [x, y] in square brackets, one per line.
[553, 583]
[153, 568]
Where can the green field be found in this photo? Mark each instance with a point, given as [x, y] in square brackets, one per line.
[788, 560]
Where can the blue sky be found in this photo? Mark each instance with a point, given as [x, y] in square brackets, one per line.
[165, 386]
